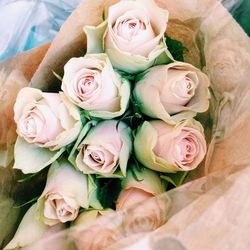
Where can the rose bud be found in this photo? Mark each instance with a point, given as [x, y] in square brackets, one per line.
[95, 236]
[139, 186]
[173, 92]
[31, 230]
[106, 147]
[92, 84]
[149, 215]
[132, 35]
[65, 192]
[170, 148]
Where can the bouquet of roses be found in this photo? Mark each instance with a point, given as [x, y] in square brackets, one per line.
[122, 128]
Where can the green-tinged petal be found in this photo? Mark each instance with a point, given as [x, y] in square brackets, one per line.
[92, 189]
[117, 174]
[144, 179]
[126, 149]
[30, 230]
[134, 64]
[95, 38]
[90, 216]
[144, 144]
[73, 153]
[124, 95]
[30, 158]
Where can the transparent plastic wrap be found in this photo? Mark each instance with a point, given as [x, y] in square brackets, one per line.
[30, 23]
[208, 212]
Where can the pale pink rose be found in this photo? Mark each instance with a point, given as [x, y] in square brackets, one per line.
[96, 236]
[170, 148]
[65, 192]
[105, 148]
[47, 120]
[132, 35]
[135, 28]
[173, 92]
[92, 84]
[146, 217]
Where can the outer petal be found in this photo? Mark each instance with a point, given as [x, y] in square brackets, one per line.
[90, 216]
[31, 159]
[134, 64]
[25, 96]
[71, 121]
[30, 230]
[67, 181]
[144, 143]
[73, 153]
[126, 146]
[95, 38]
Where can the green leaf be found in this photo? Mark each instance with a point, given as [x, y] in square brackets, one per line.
[108, 191]
[176, 48]
[27, 203]
[57, 76]
[176, 179]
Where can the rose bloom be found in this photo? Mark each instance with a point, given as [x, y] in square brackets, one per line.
[146, 217]
[96, 236]
[91, 83]
[132, 35]
[136, 190]
[170, 148]
[173, 92]
[47, 120]
[226, 64]
[149, 215]
[105, 147]
[65, 192]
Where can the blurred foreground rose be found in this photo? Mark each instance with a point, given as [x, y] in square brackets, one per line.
[106, 146]
[65, 192]
[132, 36]
[31, 230]
[91, 83]
[173, 92]
[96, 236]
[139, 186]
[166, 148]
